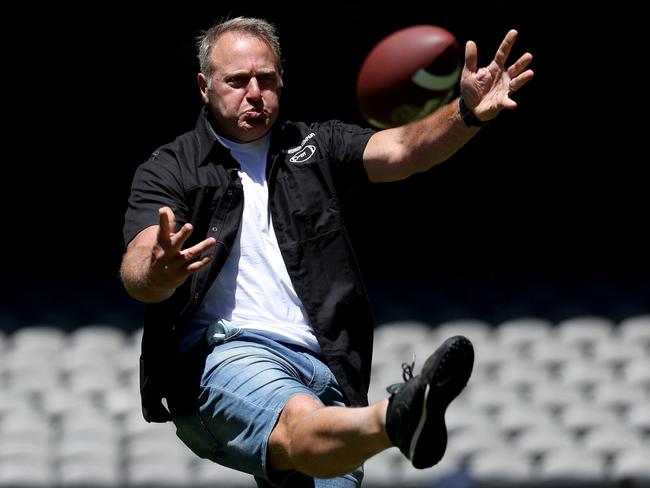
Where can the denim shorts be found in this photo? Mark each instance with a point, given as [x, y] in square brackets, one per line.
[246, 381]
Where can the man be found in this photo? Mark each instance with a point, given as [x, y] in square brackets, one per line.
[258, 329]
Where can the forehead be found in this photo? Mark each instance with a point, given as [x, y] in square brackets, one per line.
[235, 50]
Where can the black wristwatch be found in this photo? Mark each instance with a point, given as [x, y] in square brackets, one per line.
[468, 117]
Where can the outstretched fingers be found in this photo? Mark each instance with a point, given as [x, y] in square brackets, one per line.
[168, 237]
[505, 48]
[518, 73]
[520, 80]
[197, 265]
[167, 225]
[171, 264]
[190, 256]
[191, 253]
[471, 56]
[520, 65]
[178, 239]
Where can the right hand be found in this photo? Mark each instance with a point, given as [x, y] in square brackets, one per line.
[170, 263]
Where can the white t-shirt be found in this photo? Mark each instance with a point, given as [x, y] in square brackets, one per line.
[253, 290]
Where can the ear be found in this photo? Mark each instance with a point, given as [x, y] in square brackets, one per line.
[203, 87]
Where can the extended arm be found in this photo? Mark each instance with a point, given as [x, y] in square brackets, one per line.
[397, 153]
[155, 264]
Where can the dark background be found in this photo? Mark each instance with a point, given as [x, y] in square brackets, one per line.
[555, 185]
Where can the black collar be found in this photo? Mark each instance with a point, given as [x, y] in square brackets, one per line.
[283, 134]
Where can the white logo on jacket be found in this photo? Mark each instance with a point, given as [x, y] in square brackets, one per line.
[306, 153]
[303, 153]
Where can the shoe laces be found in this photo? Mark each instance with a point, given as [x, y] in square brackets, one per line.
[407, 370]
[407, 375]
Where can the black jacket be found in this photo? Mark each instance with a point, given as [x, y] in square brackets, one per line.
[310, 170]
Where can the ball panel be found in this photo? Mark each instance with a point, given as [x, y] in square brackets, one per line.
[407, 75]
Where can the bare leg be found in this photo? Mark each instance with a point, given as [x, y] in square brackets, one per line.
[326, 441]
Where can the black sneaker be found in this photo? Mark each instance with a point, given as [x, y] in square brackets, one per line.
[415, 419]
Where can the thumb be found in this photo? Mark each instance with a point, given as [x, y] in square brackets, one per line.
[471, 56]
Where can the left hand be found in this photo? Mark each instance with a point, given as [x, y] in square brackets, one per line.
[487, 91]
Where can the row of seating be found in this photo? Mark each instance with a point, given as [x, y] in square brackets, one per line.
[546, 403]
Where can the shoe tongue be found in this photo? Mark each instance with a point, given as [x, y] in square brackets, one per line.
[394, 388]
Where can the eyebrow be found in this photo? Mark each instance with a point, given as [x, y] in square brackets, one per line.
[270, 71]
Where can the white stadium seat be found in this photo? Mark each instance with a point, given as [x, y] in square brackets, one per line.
[501, 466]
[520, 334]
[539, 440]
[584, 331]
[635, 330]
[477, 331]
[571, 464]
[633, 464]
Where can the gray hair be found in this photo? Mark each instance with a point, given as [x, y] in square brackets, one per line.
[259, 28]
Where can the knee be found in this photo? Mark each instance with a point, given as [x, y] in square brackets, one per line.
[285, 437]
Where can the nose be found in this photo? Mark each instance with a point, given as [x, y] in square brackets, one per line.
[254, 91]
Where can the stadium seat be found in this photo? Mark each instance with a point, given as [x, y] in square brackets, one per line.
[584, 375]
[385, 469]
[637, 374]
[14, 401]
[516, 418]
[521, 333]
[635, 330]
[151, 474]
[467, 417]
[584, 332]
[477, 331]
[414, 478]
[135, 427]
[29, 376]
[491, 397]
[553, 354]
[617, 354]
[18, 451]
[96, 473]
[632, 466]
[490, 356]
[120, 402]
[618, 396]
[521, 375]
[27, 424]
[610, 440]
[59, 402]
[93, 379]
[396, 342]
[499, 467]
[571, 465]
[45, 339]
[207, 474]
[583, 417]
[539, 440]
[638, 417]
[97, 337]
[26, 474]
[466, 444]
[550, 396]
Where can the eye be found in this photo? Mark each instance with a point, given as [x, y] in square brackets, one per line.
[237, 81]
[267, 80]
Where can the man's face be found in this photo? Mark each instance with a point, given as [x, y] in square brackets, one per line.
[245, 90]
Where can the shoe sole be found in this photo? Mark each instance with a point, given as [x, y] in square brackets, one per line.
[445, 374]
